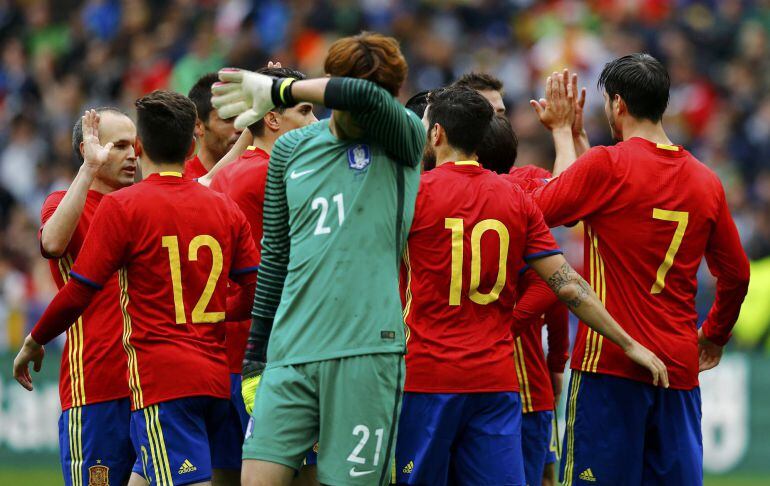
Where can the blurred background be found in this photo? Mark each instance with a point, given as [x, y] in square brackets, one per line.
[58, 58]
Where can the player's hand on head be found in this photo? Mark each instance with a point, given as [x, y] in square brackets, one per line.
[30, 352]
[95, 154]
[646, 358]
[709, 353]
[242, 94]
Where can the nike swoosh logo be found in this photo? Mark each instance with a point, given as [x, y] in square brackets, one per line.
[296, 175]
[355, 474]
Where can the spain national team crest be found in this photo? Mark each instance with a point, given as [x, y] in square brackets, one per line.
[359, 157]
[98, 476]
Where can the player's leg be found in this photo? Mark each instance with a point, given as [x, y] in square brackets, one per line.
[283, 425]
[606, 421]
[171, 442]
[674, 452]
[549, 470]
[226, 437]
[535, 443]
[427, 429]
[359, 400]
[488, 449]
[95, 443]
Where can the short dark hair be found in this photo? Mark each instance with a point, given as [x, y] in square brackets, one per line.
[642, 81]
[463, 113]
[165, 122]
[200, 94]
[479, 82]
[258, 128]
[499, 149]
[77, 130]
[418, 103]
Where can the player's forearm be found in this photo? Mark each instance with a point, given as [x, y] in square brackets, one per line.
[565, 149]
[239, 304]
[724, 312]
[581, 143]
[557, 322]
[256, 347]
[58, 230]
[63, 311]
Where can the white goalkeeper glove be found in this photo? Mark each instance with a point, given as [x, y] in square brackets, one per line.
[248, 96]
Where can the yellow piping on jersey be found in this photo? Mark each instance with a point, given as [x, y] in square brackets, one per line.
[594, 340]
[521, 371]
[407, 293]
[133, 367]
[74, 345]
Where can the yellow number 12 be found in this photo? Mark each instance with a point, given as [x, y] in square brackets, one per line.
[680, 218]
[199, 313]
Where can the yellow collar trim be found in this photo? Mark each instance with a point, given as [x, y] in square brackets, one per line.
[664, 146]
[170, 173]
[251, 147]
[467, 162]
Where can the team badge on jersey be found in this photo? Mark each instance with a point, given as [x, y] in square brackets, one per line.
[98, 476]
[359, 157]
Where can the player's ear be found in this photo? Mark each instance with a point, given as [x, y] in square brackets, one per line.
[271, 121]
[437, 134]
[138, 148]
[80, 147]
[619, 106]
[198, 132]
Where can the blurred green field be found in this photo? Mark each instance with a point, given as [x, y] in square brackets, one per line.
[52, 477]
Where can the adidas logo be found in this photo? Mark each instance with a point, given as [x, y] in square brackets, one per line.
[408, 468]
[187, 467]
[588, 475]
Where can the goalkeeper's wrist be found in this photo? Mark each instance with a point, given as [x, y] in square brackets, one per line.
[251, 369]
[281, 92]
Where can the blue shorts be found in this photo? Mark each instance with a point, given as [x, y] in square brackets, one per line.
[536, 428]
[172, 439]
[452, 438]
[94, 443]
[624, 432]
[227, 441]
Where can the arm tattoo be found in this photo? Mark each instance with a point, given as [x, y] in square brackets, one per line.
[567, 276]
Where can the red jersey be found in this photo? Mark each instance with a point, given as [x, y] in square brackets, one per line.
[529, 177]
[470, 231]
[173, 243]
[93, 363]
[194, 168]
[536, 304]
[651, 213]
[243, 181]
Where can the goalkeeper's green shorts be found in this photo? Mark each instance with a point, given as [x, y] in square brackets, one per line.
[350, 406]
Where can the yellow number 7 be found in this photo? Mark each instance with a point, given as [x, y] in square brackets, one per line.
[680, 218]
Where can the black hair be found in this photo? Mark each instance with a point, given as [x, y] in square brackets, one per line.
[258, 127]
[77, 130]
[200, 94]
[479, 82]
[463, 113]
[165, 122]
[418, 103]
[498, 150]
[642, 81]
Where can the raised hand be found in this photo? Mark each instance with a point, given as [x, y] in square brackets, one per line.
[557, 110]
[580, 101]
[242, 94]
[95, 155]
[644, 357]
[709, 354]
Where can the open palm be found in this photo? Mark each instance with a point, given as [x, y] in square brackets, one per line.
[95, 154]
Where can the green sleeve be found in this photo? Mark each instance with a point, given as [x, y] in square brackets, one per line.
[380, 115]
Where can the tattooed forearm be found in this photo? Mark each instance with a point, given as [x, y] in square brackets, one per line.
[569, 286]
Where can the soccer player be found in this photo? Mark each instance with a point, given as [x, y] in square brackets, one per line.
[460, 422]
[215, 135]
[243, 181]
[540, 379]
[651, 213]
[173, 243]
[340, 195]
[94, 426]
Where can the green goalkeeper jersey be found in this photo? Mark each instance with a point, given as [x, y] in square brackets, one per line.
[336, 216]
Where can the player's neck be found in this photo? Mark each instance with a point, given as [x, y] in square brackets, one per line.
[207, 158]
[264, 143]
[645, 129]
[149, 167]
[449, 154]
[101, 187]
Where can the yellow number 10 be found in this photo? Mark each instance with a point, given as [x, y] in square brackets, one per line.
[199, 314]
[456, 282]
[680, 218]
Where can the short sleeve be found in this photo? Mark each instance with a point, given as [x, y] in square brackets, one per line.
[580, 191]
[105, 247]
[245, 258]
[540, 241]
[46, 211]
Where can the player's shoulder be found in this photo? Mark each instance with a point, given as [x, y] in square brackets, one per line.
[529, 172]
[287, 142]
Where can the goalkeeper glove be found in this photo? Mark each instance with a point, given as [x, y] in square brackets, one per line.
[249, 390]
[248, 96]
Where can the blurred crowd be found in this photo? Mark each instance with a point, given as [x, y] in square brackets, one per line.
[59, 57]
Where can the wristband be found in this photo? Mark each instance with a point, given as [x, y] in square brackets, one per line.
[281, 92]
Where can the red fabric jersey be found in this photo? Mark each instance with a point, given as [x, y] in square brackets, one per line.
[194, 168]
[536, 304]
[529, 177]
[471, 230]
[651, 213]
[244, 182]
[173, 243]
[93, 363]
